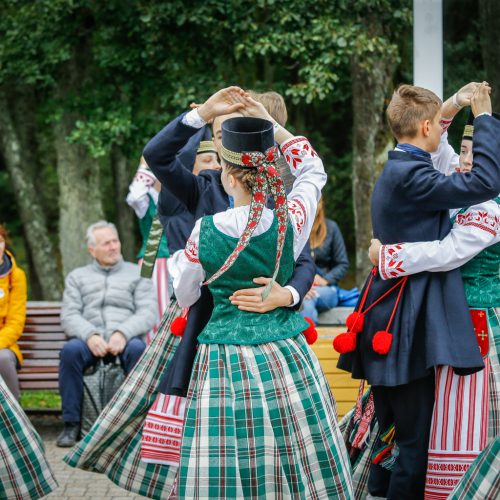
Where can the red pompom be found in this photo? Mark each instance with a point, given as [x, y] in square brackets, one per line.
[382, 342]
[178, 326]
[355, 322]
[310, 333]
[345, 342]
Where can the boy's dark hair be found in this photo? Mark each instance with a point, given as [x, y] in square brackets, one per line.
[409, 106]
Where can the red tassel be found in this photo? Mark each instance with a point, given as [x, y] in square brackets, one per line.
[310, 333]
[355, 322]
[345, 342]
[382, 341]
[178, 326]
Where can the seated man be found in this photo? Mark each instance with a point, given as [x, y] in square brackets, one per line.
[107, 308]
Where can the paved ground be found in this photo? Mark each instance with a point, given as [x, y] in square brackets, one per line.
[74, 484]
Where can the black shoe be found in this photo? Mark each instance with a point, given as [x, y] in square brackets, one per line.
[69, 436]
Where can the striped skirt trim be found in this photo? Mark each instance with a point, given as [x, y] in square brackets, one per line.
[113, 445]
[261, 424]
[24, 470]
[361, 469]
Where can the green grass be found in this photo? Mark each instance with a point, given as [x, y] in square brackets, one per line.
[40, 399]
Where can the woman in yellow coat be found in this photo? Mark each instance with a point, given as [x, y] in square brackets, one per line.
[13, 297]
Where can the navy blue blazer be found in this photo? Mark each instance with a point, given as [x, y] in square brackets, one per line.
[432, 325]
[203, 194]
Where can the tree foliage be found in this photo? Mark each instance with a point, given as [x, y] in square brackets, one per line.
[123, 69]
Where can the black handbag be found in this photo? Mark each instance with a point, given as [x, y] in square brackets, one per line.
[100, 383]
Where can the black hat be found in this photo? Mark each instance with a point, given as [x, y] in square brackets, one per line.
[469, 127]
[244, 135]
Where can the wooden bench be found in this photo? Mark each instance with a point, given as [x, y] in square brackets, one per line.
[344, 388]
[40, 343]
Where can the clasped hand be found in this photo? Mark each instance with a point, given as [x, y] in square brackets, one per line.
[99, 347]
[231, 100]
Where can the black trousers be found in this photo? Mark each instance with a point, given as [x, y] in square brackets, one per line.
[176, 379]
[409, 407]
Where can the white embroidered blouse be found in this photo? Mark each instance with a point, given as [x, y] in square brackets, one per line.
[140, 189]
[473, 231]
[307, 167]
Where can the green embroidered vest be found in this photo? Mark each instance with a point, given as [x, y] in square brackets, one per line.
[145, 226]
[481, 276]
[229, 325]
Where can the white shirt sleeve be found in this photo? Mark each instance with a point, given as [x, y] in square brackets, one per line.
[186, 270]
[139, 191]
[473, 231]
[306, 166]
[193, 119]
[295, 295]
[444, 158]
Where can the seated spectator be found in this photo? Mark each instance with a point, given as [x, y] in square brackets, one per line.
[107, 309]
[330, 257]
[12, 314]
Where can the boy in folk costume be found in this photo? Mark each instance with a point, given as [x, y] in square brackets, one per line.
[466, 414]
[402, 329]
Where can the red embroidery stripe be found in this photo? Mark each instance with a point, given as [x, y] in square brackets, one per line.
[481, 226]
[293, 141]
[191, 259]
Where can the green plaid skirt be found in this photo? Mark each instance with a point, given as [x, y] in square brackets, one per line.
[482, 479]
[113, 445]
[261, 424]
[24, 471]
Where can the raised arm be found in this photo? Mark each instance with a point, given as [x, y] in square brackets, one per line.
[432, 190]
[162, 154]
[473, 230]
[445, 159]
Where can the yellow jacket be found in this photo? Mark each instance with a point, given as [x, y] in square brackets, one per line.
[13, 296]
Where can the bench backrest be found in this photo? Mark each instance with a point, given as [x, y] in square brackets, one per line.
[40, 343]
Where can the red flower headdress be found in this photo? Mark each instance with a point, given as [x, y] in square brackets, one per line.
[268, 180]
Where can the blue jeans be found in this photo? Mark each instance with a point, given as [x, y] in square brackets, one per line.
[75, 358]
[326, 298]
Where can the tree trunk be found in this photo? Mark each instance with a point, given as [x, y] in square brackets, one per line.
[371, 78]
[124, 214]
[79, 195]
[31, 210]
[489, 13]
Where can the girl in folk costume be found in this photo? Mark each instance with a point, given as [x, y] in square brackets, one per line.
[260, 420]
[258, 409]
[143, 198]
[24, 471]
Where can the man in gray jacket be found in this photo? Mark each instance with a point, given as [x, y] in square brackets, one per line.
[107, 309]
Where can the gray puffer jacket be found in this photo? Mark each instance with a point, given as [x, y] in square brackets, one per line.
[102, 300]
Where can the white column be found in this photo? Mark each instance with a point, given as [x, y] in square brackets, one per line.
[428, 45]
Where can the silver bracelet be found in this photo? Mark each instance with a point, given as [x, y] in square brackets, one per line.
[455, 102]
